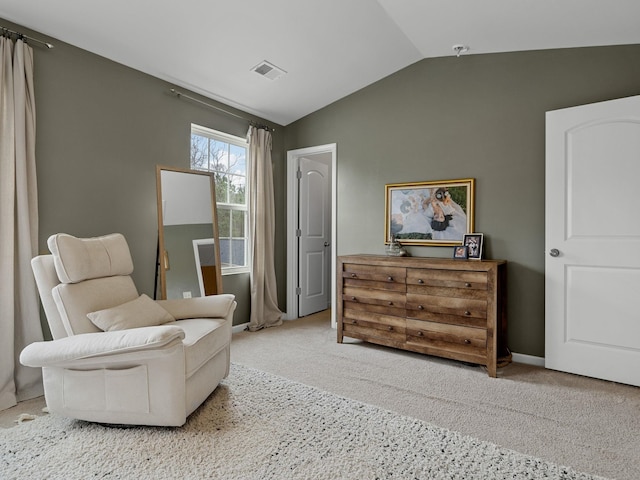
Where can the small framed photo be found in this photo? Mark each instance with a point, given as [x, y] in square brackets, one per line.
[473, 242]
[461, 252]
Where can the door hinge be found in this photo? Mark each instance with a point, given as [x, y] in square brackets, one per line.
[299, 174]
[298, 232]
[298, 291]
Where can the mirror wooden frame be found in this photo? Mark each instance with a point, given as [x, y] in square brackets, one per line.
[163, 262]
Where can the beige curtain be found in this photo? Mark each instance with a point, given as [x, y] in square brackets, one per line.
[19, 307]
[264, 292]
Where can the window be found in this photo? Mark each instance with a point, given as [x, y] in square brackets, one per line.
[227, 157]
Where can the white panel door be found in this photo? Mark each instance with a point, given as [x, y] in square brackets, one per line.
[314, 226]
[592, 267]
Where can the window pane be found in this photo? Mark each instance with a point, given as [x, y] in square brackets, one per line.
[237, 189]
[238, 223]
[237, 160]
[224, 222]
[222, 188]
[219, 157]
[225, 252]
[199, 152]
[238, 252]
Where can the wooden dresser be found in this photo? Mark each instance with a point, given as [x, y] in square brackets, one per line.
[449, 308]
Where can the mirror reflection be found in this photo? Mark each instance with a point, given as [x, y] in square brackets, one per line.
[188, 254]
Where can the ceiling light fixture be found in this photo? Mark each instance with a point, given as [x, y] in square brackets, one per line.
[459, 49]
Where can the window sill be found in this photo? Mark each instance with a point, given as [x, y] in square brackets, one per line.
[235, 271]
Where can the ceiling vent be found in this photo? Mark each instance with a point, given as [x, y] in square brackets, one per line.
[268, 70]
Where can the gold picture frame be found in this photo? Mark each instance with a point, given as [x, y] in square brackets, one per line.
[433, 213]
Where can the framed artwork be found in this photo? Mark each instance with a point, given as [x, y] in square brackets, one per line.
[473, 242]
[461, 252]
[429, 213]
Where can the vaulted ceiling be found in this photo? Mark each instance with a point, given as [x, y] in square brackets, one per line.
[328, 48]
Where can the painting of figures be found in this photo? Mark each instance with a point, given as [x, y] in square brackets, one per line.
[429, 213]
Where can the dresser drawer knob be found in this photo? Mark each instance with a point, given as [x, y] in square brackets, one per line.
[420, 334]
[467, 284]
[467, 312]
[390, 278]
[390, 303]
[467, 341]
[420, 281]
[420, 307]
[390, 328]
[353, 275]
[354, 299]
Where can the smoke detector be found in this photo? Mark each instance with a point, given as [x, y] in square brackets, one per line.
[459, 49]
[268, 70]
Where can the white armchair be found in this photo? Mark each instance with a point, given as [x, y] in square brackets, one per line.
[117, 356]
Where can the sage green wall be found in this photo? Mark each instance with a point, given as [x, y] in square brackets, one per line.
[101, 130]
[480, 116]
[103, 127]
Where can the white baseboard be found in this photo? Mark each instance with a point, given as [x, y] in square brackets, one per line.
[243, 326]
[528, 359]
[239, 328]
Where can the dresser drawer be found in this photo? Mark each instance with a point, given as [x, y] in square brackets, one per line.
[423, 306]
[453, 338]
[381, 278]
[459, 279]
[368, 296]
[377, 309]
[465, 321]
[374, 324]
[447, 292]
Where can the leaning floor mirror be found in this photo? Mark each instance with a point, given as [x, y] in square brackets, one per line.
[188, 253]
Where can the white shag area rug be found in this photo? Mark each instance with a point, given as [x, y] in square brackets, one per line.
[260, 426]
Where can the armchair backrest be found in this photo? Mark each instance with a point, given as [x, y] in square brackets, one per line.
[46, 279]
[91, 274]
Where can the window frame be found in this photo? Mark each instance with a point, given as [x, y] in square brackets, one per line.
[238, 142]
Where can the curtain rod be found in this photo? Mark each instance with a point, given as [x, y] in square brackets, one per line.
[193, 99]
[8, 31]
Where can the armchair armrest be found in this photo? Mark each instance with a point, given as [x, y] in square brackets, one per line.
[212, 306]
[89, 345]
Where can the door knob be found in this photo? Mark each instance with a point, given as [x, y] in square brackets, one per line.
[554, 252]
[326, 244]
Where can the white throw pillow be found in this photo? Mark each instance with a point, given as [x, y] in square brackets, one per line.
[141, 312]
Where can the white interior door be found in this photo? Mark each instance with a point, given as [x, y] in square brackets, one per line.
[314, 227]
[592, 267]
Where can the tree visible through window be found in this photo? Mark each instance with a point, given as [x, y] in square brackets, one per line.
[226, 156]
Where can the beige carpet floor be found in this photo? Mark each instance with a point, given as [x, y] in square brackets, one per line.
[259, 426]
[590, 425]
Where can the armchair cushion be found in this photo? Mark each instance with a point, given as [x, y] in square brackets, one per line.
[141, 312]
[75, 300]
